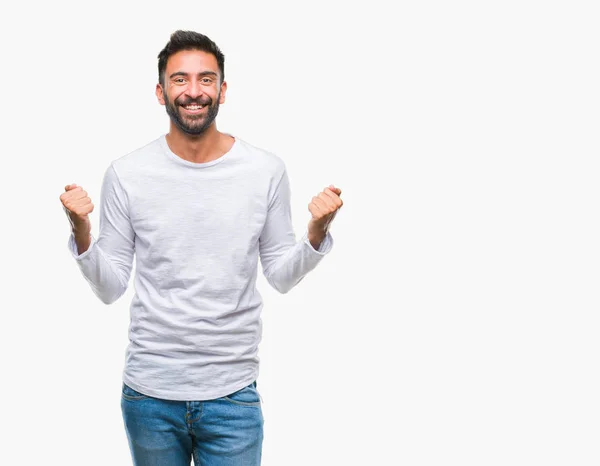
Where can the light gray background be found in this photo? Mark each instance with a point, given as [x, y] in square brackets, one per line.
[456, 319]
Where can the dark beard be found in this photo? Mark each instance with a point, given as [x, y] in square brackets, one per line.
[193, 126]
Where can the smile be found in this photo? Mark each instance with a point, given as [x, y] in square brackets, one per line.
[194, 108]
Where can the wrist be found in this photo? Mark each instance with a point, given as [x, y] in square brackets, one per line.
[81, 232]
[81, 227]
[83, 240]
[316, 238]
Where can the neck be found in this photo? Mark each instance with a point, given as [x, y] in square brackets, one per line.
[209, 145]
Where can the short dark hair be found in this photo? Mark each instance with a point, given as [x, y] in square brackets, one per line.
[189, 40]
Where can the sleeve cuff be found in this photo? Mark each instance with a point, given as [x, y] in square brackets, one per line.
[72, 245]
[325, 245]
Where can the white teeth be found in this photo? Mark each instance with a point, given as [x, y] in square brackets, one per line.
[194, 107]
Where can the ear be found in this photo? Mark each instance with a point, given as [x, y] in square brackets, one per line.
[223, 92]
[159, 94]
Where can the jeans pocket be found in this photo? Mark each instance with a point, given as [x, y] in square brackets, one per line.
[247, 396]
[130, 394]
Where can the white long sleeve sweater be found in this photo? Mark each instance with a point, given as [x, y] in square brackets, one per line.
[197, 231]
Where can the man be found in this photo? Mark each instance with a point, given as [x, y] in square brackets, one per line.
[199, 208]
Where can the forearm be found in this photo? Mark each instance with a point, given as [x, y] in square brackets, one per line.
[291, 266]
[83, 239]
[316, 239]
[107, 276]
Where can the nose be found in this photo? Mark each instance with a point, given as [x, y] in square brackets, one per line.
[194, 88]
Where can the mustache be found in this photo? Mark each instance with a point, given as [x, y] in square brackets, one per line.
[183, 102]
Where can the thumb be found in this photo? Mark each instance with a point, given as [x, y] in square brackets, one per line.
[70, 186]
[338, 191]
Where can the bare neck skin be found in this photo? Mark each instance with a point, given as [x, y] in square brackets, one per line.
[208, 146]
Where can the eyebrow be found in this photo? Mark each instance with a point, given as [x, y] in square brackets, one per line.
[203, 73]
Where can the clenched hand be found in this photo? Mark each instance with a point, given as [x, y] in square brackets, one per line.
[77, 206]
[323, 208]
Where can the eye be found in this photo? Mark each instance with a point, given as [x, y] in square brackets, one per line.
[179, 80]
[207, 80]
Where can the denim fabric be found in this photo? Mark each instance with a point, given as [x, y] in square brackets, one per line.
[226, 431]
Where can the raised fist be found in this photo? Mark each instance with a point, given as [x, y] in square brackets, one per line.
[77, 206]
[323, 208]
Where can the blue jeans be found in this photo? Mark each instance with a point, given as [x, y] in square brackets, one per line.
[226, 431]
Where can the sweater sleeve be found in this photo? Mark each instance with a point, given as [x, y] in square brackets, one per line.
[107, 263]
[284, 260]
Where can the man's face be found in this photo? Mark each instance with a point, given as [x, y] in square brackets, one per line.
[192, 93]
